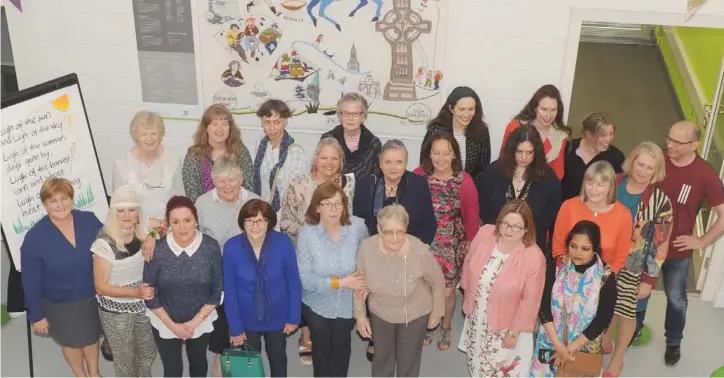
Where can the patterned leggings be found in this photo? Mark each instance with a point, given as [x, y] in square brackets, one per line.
[131, 341]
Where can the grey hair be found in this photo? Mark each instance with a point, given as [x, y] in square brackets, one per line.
[393, 212]
[393, 144]
[353, 97]
[146, 119]
[226, 166]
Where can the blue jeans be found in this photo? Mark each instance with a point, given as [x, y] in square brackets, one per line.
[676, 276]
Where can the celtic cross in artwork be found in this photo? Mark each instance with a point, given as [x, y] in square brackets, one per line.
[401, 26]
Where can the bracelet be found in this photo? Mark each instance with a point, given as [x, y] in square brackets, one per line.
[335, 282]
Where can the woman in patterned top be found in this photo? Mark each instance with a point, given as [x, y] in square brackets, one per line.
[326, 166]
[462, 116]
[277, 160]
[118, 273]
[217, 135]
[522, 173]
[653, 215]
[455, 202]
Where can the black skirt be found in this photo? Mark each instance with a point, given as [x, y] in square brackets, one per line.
[73, 324]
[219, 339]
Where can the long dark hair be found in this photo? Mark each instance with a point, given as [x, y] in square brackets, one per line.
[538, 168]
[550, 91]
[591, 230]
[426, 160]
[477, 128]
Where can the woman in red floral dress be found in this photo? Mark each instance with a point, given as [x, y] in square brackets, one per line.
[455, 201]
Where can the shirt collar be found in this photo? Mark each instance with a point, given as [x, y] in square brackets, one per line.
[323, 231]
[215, 196]
[190, 250]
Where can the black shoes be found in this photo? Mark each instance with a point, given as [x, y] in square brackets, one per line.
[672, 355]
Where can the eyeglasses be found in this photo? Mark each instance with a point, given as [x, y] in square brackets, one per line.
[679, 143]
[254, 222]
[512, 227]
[351, 114]
[331, 205]
[390, 233]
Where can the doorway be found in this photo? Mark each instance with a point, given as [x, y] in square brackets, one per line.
[646, 77]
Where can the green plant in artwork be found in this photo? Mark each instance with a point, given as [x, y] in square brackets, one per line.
[85, 199]
[312, 108]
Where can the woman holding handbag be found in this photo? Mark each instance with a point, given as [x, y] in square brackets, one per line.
[577, 307]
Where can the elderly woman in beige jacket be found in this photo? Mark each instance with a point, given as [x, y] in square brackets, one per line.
[406, 292]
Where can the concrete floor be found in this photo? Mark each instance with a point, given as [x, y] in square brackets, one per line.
[697, 360]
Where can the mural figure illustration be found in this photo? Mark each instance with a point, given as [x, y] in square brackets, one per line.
[233, 39]
[292, 66]
[250, 45]
[401, 27]
[323, 4]
[270, 37]
[269, 3]
[232, 76]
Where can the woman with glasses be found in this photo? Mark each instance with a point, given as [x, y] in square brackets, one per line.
[503, 279]
[455, 201]
[327, 257]
[262, 290]
[406, 292]
[278, 160]
[217, 135]
[361, 147]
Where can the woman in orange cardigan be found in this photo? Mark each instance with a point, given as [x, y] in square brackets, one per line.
[597, 203]
[503, 278]
[545, 112]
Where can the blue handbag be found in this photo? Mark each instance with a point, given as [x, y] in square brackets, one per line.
[242, 362]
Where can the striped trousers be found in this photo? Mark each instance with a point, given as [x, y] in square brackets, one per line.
[131, 341]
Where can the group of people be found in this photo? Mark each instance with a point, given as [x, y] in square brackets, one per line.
[552, 244]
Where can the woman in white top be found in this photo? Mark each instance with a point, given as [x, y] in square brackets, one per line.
[278, 160]
[118, 273]
[149, 168]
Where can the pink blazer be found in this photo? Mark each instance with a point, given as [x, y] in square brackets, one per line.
[515, 299]
[469, 204]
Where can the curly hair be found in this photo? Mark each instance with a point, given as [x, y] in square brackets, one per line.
[538, 168]
[201, 147]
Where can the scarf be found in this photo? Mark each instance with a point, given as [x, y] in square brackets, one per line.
[287, 141]
[262, 304]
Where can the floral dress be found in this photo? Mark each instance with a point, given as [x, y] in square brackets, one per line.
[450, 244]
[483, 345]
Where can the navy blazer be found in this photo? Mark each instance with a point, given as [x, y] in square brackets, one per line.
[414, 196]
[544, 199]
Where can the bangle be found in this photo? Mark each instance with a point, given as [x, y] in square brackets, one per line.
[335, 282]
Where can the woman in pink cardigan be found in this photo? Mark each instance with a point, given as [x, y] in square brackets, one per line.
[455, 201]
[503, 278]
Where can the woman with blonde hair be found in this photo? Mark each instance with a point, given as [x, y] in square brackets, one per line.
[597, 203]
[653, 216]
[152, 170]
[118, 275]
[217, 135]
[596, 144]
[503, 278]
[57, 276]
[327, 165]
[361, 148]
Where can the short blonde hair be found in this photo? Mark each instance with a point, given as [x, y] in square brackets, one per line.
[393, 212]
[329, 141]
[56, 185]
[652, 150]
[595, 122]
[146, 119]
[603, 170]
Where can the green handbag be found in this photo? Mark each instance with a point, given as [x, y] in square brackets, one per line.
[242, 362]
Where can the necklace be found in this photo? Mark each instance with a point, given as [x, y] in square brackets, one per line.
[390, 190]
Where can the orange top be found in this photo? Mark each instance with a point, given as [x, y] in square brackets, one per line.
[554, 160]
[616, 230]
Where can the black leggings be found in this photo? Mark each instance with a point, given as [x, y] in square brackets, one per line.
[170, 352]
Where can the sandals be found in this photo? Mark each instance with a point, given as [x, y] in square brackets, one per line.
[428, 338]
[445, 341]
[305, 350]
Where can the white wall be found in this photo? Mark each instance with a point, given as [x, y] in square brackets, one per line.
[503, 49]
